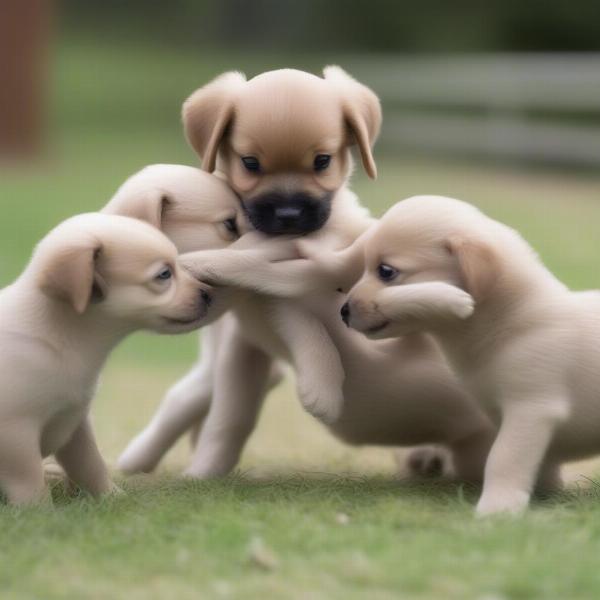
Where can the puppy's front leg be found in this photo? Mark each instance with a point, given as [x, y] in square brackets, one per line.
[319, 371]
[512, 467]
[81, 460]
[315, 269]
[241, 380]
[21, 470]
[253, 270]
[427, 302]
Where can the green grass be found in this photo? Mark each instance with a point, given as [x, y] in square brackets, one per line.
[116, 109]
[170, 539]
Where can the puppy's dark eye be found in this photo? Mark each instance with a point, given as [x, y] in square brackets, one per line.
[321, 162]
[251, 163]
[231, 226]
[165, 274]
[386, 273]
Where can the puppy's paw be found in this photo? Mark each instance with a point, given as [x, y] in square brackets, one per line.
[309, 248]
[460, 303]
[509, 503]
[267, 248]
[197, 268]
[53, 472]
[137, 457]
[324, 261]
[429, 462]
[326, 406]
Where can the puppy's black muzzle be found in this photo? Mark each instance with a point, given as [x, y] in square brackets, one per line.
[276, 213]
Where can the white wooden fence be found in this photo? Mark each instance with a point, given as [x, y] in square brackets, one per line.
[543, 107]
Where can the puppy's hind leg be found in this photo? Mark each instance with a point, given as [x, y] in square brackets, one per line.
[21, 469]
[275, 378]
[319, 370]
[184, 405]
[241, 377]
[83, 463]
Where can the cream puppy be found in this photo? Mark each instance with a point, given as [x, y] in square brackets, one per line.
[524, 344]
[91, 281]
[195, 210]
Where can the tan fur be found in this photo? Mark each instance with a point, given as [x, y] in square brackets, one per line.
[208, 112]
[55, 335]
[330, 114]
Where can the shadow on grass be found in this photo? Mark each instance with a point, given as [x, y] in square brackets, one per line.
[244, 486]
[303, 482]
[303, 488]
[310, 488]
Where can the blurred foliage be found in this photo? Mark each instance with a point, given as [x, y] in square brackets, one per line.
[346, 25]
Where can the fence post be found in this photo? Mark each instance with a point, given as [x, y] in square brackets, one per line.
[24, 35]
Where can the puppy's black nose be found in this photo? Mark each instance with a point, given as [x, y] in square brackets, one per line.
[345, 313]
[205, 297]
[285, 213]
[288, 214]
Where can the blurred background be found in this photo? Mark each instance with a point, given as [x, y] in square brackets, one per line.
[496, 102]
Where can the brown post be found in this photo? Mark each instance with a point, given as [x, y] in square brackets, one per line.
[24, 34]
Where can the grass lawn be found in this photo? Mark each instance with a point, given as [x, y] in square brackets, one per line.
[306, 517]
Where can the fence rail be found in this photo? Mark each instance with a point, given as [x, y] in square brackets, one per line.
[542, 107]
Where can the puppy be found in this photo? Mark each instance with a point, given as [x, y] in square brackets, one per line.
[282, 141]
[195, 210]
[525, 345]
[91, 281]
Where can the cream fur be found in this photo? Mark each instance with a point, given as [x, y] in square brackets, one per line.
[525, 345]
[91, 281]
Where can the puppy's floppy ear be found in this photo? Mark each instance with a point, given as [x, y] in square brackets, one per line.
[68, 273]
[148, 207]
[207, 113]
[362, 113]
[478, 265]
